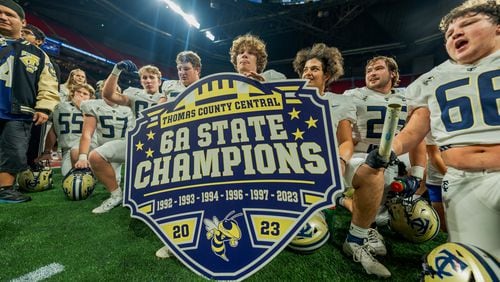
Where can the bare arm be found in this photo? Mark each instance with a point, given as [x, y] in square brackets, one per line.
[89, 126]
[109, 91]
[413, 133]
[109, 88]
[344, 138]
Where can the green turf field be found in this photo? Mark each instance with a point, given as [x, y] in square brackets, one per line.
[115, 247]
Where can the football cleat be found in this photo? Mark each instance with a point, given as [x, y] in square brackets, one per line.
[415, 220]
[455, 262]
[79, 184]
[313, 235]
[37, 178]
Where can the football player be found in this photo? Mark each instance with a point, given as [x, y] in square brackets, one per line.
[457, 102]
[188, 70]
[137, 100]
[321, 65]
[381, 79]
[108, 122]
[249, 57]
[67, 120]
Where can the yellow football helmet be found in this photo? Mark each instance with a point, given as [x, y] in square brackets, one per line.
[455, 262]
[415, 220]
[79, 184]
[37, 178]
[313, 235]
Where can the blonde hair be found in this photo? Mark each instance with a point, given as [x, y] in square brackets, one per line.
[150, 69]
[252, 43]
[88, 87]
[70, 82]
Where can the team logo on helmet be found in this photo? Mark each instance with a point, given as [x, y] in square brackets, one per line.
[313, 235]
[78, 184]
[37, 178]
[415, 220]
[455, 262]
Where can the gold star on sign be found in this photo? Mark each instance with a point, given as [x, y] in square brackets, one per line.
[138, 146]
[311, 122]
[298, 134]
[294, 114]
[151, 135]
[149, 153]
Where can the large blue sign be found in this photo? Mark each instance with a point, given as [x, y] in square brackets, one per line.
[231, 171]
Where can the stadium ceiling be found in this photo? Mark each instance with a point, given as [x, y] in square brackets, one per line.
[406, 29]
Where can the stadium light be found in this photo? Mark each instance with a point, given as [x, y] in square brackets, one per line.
[190, 19]
[209, 35]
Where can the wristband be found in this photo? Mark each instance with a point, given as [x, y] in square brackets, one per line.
[116, 71]
[82, 157]
[417, 171]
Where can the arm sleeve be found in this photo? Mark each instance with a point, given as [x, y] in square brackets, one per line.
[47, 96]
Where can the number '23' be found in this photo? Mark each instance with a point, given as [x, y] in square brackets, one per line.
[488, 99]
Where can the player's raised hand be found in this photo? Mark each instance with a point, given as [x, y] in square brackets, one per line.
[126, 65]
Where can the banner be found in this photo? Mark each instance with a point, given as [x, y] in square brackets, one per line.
[228, 173]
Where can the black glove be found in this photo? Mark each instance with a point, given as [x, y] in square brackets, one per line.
[406, 185]
[374, 160]
[126, 65]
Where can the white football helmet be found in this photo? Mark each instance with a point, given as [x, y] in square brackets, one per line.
[455, 262]
[37, 178]
[415, 220]
[313, 235]
[79, 184]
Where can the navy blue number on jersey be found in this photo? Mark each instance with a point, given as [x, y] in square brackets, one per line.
[107, 123]
[70, 123]
[141, 105]
[488, 99]
[370, 124]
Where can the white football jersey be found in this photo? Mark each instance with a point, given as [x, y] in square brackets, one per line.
[341, 107]
[463, 100]
[112, 121]
[172, 89]
[371, 107]
[68, 123]
[140, 100]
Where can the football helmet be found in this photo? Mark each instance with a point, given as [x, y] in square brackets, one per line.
[313, 235]
[37, 178]
[457, 262]
[415, 220]
[79, 184]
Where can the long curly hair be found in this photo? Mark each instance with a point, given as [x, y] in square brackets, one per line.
[330, 57]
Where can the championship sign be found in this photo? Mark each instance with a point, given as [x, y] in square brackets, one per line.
[228, 173]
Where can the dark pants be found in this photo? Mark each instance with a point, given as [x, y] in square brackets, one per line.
[14, 138]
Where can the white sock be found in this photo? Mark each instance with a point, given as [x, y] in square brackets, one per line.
[358, 231]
